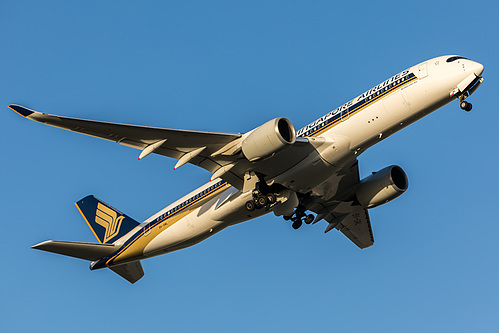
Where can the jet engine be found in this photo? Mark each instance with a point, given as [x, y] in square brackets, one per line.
[382, 186]
[268, 139]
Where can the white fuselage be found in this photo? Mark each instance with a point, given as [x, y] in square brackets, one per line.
[339, 137]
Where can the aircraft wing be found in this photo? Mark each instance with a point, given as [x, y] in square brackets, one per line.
[343, 213]
[219, 153]
[168, 142]
[351, 219]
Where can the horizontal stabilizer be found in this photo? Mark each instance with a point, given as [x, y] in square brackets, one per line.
[87, 251]
[132, 272]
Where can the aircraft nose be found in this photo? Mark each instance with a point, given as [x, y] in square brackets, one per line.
[476, 68]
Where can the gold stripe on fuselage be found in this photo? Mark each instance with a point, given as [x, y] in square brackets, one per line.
[136, 247]
[362, 107]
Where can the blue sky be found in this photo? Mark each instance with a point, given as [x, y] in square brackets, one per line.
[230, 66]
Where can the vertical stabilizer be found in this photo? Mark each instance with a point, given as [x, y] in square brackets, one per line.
[107, 223]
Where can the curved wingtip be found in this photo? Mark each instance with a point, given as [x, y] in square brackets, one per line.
[41, 245]
[25, 112]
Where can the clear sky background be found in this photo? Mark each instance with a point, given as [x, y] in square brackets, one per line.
[230, 66]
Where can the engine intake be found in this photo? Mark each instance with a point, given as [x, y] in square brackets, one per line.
[382, 186]
[266, 140]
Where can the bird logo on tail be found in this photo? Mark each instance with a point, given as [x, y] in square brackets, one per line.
[109, 219]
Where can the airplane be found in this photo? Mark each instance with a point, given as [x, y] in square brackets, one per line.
[272, 168]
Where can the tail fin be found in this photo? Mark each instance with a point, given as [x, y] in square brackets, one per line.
[107, 223]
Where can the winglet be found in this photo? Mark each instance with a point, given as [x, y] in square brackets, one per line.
[25, 112]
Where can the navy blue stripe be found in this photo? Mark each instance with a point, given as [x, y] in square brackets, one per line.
[372, 96]
[172, 212]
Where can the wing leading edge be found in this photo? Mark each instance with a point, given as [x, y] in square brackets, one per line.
[209, 150]
[219, 153]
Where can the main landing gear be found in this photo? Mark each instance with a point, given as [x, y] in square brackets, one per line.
[260, 200]
[299, 217]
[264, 195]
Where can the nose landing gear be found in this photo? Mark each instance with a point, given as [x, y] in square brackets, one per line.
[465, 106]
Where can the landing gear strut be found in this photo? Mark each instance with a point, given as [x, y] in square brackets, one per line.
[264, 195]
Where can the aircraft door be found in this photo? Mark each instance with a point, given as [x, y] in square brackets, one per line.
[423, 70]
[344, 114]
[147, 229]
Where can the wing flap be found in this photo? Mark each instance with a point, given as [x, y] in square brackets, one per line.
[336, 206]
[357, 227]
[352, 220]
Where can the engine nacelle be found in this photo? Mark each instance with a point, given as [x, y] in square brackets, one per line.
[382, 186]
[268, 139]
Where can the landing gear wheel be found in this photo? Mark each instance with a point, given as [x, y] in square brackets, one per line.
[286, 218]
[250, 205]
[271, 198]
[465, 106]
[309, 219]
[296, 224]
[261, 201]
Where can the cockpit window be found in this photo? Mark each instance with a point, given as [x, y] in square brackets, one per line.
[451, 59]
